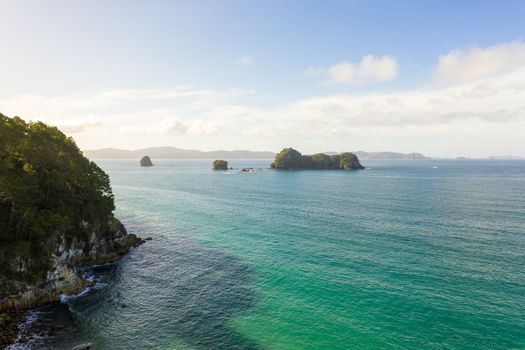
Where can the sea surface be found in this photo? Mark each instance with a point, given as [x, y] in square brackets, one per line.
[403, 255]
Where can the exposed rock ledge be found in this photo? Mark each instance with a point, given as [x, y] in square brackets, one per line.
[100, 247]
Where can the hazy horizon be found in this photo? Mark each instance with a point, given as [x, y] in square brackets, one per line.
[502, 156]
[374, 76]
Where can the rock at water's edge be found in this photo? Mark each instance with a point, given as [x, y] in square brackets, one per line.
[99, 247]
[146, 161]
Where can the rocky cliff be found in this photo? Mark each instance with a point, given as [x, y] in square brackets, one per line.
[101, 246]
[56, 214]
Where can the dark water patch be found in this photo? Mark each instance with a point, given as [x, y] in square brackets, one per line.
[171, 292]
[52, 323]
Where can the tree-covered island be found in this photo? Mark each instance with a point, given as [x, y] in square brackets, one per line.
[220, 164]
[291, 159]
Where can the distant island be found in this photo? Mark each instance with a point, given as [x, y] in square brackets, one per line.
[220, 164]
[145, 161]
[176, 153]
[291, 159]
[506, 157]
[389, 155]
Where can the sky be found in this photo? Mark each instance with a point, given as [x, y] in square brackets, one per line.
[444, 78]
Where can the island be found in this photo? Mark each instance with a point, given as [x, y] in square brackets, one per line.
[292, 159]
[220, 164]
[146, 161]
[390, 155]
[56, 214]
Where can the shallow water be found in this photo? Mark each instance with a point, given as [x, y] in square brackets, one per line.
[404, 255]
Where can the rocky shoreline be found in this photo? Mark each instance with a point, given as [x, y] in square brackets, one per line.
[9, 322]
[16, 297]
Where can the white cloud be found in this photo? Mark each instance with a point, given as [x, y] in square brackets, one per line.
[52, 107]
[205, 128]
[245, 61]
[173, 126]
[79, 125]
[495, 101]
[170, 126]
[369, 70]
[499, 99]
[461, 66]
[319, 128]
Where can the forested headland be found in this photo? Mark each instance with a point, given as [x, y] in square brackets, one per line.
[56, 213]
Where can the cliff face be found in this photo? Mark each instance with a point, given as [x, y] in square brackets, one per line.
[56, 213]
[103, 245]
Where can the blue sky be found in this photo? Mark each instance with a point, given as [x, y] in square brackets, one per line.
[316, 75]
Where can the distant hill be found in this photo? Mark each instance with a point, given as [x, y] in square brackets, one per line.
[506, 157]
[179, 153]
[389, 155]
[175, 153]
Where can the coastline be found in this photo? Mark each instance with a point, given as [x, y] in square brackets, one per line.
[15, 320]
[64, 279]
[10, 322]
[24, 326]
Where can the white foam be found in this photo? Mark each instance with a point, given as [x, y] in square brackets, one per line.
[65, 298]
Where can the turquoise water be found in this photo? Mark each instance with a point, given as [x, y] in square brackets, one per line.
[403, 255]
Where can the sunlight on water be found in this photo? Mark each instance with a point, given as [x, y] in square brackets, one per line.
[406, 255]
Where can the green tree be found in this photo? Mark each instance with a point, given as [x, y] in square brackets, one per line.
[48, 191]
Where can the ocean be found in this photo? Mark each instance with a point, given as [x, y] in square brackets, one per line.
[425, 254]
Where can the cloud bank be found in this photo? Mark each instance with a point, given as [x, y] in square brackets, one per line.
[369, 70]
[473, 94]
[472, 64]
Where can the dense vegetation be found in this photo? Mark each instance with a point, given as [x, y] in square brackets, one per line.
[289, 158]
[48, 191]
[220, 164]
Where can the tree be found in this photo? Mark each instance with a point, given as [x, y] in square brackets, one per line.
[48, 191]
